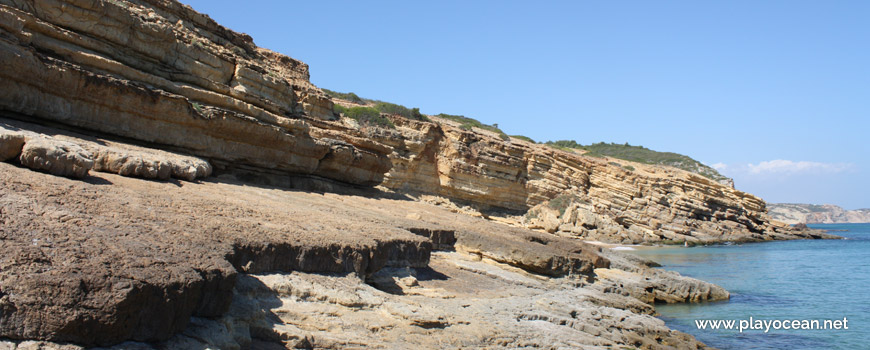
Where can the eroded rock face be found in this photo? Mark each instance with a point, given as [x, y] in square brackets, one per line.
[10, 144]
[158, 72]
[71, 154]
[128, 263]
[567, 193]
[56, 157]
[118, 261]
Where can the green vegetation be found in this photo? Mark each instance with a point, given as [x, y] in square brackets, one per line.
[466, 123]
[565, 144]
[643, 155]
[238, 51]
[349, 96]
[562, 202]
[628, 167]
[338, 109]
[392, 108]
[197, 107]
[368, 116]
[524, 138]
[381, 106]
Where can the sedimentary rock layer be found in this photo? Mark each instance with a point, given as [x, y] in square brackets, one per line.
[132, 263]
[158, 72]
[569, 193]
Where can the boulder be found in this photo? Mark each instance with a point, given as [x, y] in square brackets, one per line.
[56, 157]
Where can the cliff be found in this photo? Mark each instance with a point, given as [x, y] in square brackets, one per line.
[791, 213]
[568, 193]
[159, 73]
[146, 157]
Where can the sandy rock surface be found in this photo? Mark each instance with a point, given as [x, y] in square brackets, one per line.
[113, 259]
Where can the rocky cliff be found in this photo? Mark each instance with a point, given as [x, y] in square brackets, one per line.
[791, 213]
[159, 73]
[567, 193]
[146, 155]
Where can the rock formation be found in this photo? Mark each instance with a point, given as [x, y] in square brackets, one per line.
[790, 213]
[157, 72]
[566, 193]
[146, 153]
[117, 260]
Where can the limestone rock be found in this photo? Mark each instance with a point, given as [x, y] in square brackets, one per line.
[571, 194]
[10, 144]
[157, 72]
[169, 279]
[56, 157]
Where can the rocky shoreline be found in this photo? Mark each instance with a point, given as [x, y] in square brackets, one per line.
[108, 260]
[169, 184]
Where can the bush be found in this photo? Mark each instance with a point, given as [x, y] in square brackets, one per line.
[640, 154]
[349, 96]
[466, 123]
[392, 108]
[369, 116]
[628, 167]
[565, 144]
[561, 202]
[524, 138]
[338, 109]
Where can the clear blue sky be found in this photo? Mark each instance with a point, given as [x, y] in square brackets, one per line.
[775, 93]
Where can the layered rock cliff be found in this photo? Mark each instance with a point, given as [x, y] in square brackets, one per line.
[140, 140]
[159, 73]
[791, 213]
[565, 192]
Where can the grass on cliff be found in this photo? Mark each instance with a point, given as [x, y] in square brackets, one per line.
[392, 108]
[466, 123]
[641, 154]
[349, 96]
[381, 106]
[524, 138]
[368, 116]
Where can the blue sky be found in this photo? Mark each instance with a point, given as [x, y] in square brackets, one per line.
[775, 93]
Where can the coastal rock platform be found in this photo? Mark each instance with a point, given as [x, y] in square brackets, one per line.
[109, 260]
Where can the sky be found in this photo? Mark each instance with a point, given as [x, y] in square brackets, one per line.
[775, 94]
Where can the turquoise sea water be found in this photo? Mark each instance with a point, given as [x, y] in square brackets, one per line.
[808, 279]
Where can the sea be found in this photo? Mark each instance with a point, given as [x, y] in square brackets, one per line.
[785, 281]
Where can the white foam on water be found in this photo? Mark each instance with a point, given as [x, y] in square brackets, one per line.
[622, 248]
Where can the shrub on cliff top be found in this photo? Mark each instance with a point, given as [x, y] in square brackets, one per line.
[369, 116]
[349, 96]
[466, 123]
[640, 154]
[392, 108]
[338, 109]
[524, 138]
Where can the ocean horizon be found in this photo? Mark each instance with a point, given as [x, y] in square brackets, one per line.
[786, 281]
